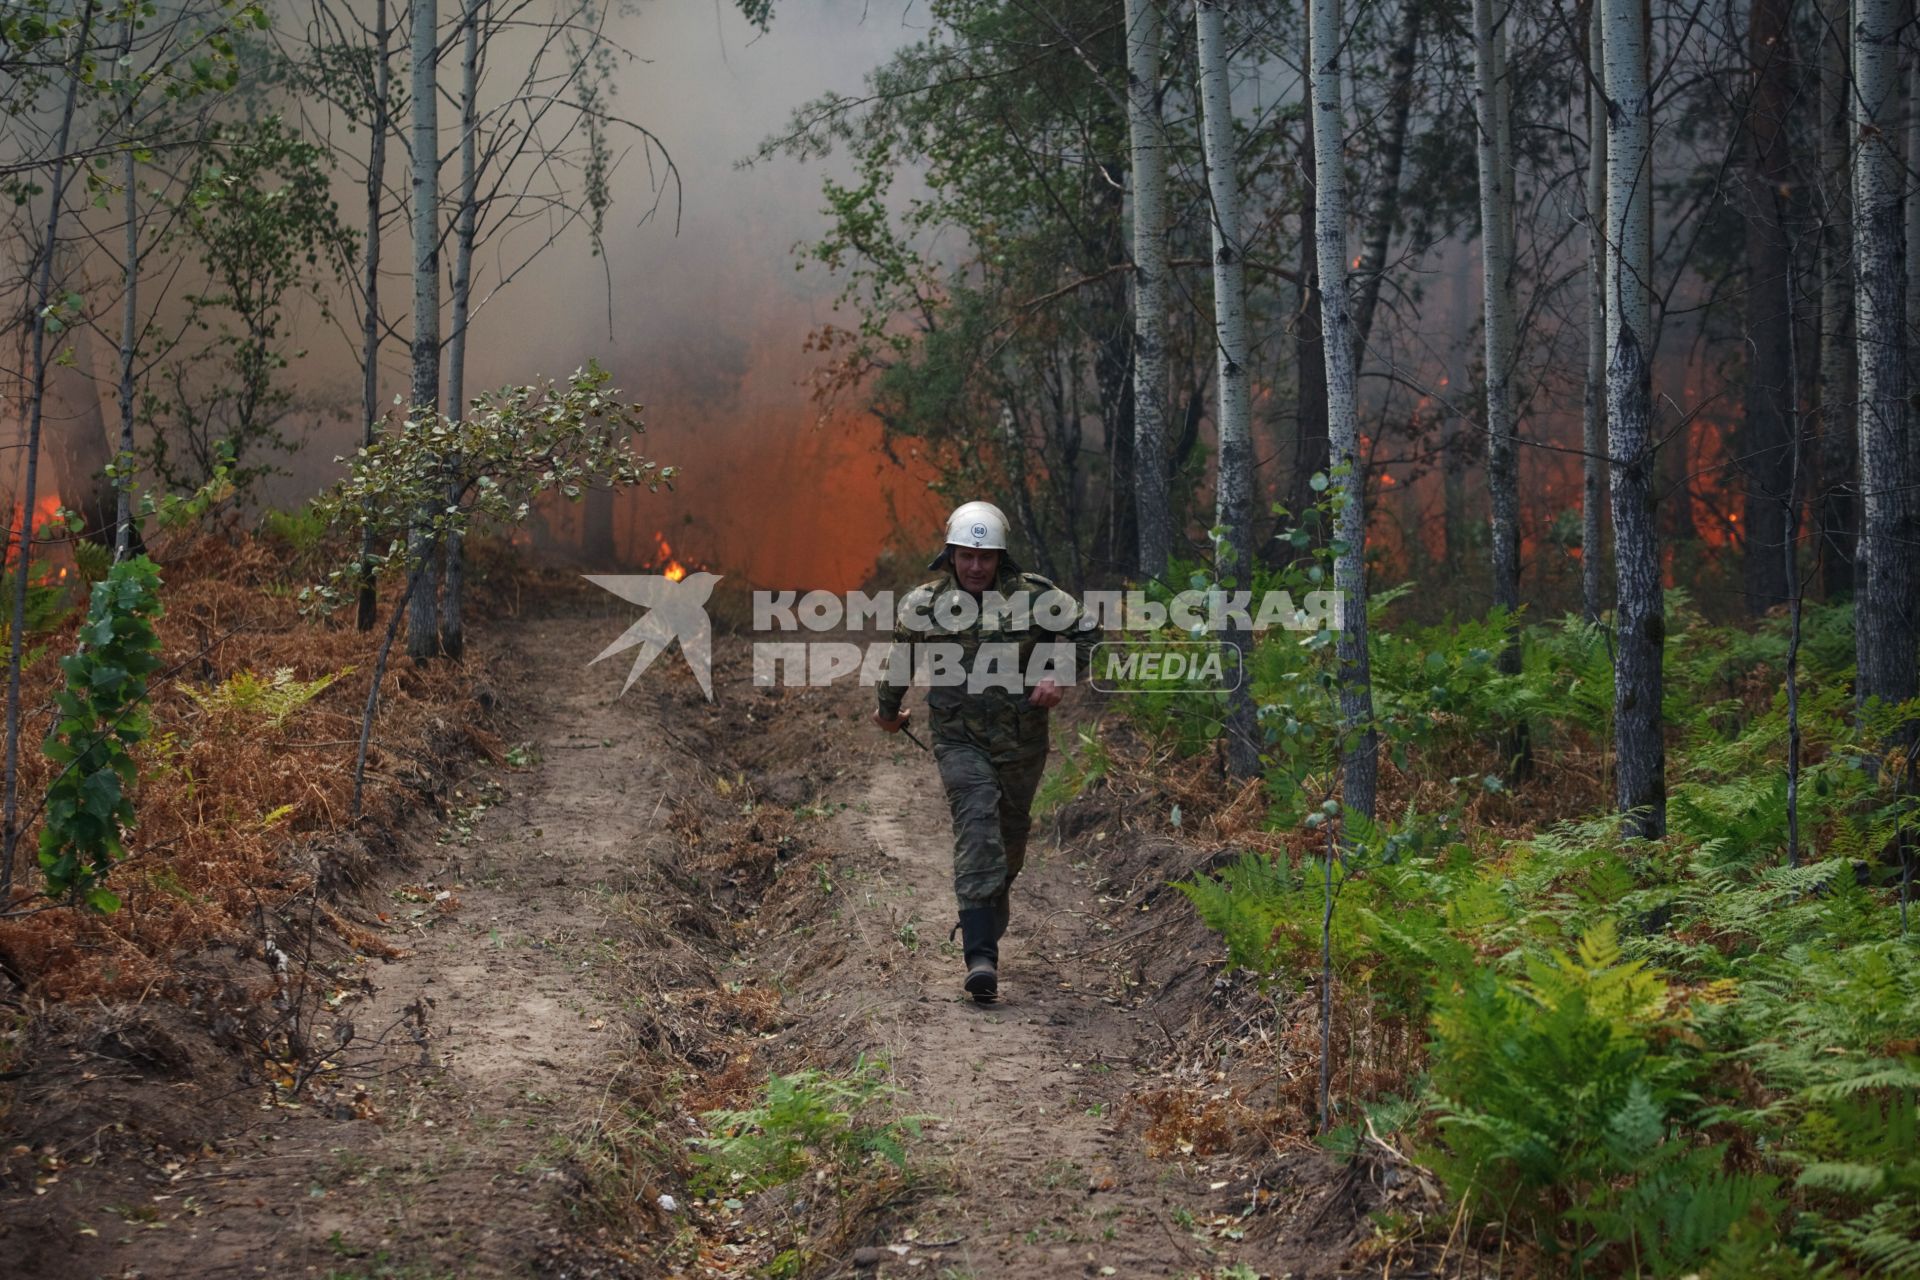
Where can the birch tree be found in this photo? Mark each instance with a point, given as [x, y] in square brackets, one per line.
[452, 630]
[1233, 485]
[1496, 277]
[1361, 764]
[1593, 416]
[1151, 274]
[1884, 586]
[1639, 611]
[423, 630]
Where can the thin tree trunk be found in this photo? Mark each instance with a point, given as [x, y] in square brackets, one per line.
[1913, 249]
[367, 604]
[1153, 515]
[1383, 207]
[415, 580]
[129, 340]
[452, 628]
[1593, 418]
[423, 631]
[1913, 213]
[1361, 765]
[1790, 567]
[1310, 453]
[1837, 521]
[1233, 485]
[1640, 786]
[36, 407]
[1766, 434]
[1496, 276]
[1884, 586]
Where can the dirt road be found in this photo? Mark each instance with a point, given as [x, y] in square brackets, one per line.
[568, 921]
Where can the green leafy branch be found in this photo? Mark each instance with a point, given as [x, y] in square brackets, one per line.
[103, 714]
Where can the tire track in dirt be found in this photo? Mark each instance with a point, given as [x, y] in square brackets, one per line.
[456, 1169]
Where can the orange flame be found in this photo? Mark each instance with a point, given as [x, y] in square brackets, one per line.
[673, 569]
[45, 508]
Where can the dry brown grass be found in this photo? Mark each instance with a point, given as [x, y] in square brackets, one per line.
[233, 814]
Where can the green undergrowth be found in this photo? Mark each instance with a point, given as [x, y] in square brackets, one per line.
[1695, 1055]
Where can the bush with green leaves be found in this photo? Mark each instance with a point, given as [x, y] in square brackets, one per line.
[102, 715]
[515, 446]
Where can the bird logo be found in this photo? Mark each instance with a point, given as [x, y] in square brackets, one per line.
[675, 611]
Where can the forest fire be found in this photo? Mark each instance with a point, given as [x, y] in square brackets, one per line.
[45, 508]
[664, 561]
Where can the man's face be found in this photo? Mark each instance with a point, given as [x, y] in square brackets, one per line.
[975, 568]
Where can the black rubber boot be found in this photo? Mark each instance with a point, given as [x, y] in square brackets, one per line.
[1002, 911]
[980, 944]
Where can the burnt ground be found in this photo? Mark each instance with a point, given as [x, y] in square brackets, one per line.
[663, 901]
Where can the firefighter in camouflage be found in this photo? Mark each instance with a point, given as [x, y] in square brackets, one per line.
[998, 646]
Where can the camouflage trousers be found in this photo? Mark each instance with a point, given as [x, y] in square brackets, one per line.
[992, 813]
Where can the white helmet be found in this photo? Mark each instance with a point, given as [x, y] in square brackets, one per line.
[979, 525]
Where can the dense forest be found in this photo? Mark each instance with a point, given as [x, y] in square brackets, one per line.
[1549, 917]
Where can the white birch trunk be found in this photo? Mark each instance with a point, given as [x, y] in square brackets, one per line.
[423, 639]
[1361, 765]
[1496, 277]
[452, 627]
[1151, 273]
[1639, 610]
[1593, 423]
[1233, 484]
[1884, 588]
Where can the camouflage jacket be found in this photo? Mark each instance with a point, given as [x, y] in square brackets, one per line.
[993, 717]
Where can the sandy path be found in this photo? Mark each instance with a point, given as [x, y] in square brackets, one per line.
[1044, 1179]
[460, 1174]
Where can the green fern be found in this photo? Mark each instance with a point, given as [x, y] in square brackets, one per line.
[273, 699]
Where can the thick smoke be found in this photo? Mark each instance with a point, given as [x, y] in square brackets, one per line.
[708, 318]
